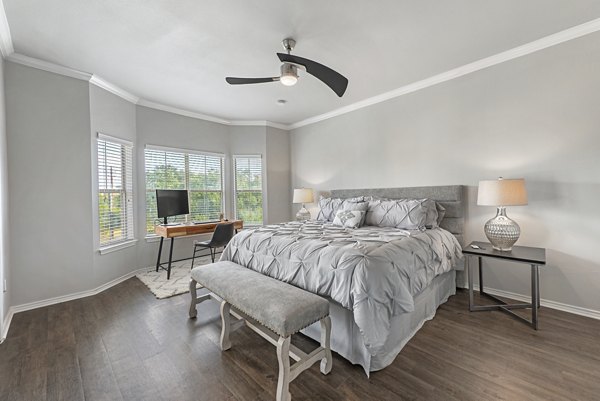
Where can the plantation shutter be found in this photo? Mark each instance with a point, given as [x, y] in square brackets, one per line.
[115, 190]
[248, 189]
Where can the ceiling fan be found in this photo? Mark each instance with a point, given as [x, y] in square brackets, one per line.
[289, 71]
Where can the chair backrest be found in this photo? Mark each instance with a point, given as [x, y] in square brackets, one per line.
[222, 235]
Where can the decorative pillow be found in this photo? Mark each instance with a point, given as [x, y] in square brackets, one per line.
[441, 210]
[328, 206]
[348, 218]
[408, 214]
[350, 204]
[430, 206]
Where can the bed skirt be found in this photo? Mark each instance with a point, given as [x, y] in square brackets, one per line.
[347, 341]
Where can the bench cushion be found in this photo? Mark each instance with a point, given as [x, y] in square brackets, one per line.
[279, 306]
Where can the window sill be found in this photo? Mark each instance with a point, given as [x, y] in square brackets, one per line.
[117, 247]
[152, 238]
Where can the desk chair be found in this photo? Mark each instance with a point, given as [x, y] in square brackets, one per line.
[221, 237]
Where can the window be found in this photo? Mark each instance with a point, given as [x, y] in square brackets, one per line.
[115, 190]
[248, 189]
[201, 174]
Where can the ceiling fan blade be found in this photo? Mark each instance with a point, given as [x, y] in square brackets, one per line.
[331, 78]
[243, 81]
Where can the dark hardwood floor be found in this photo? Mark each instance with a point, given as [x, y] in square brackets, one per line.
[123, 344]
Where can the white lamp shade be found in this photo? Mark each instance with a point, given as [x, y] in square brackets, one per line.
[501, 192]
[303, 195]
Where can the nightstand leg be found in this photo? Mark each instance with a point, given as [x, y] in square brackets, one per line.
[535, 295]
[480, 276]
[537, 269]
[470, 276]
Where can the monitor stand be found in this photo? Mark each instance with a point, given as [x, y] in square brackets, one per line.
[169, 224]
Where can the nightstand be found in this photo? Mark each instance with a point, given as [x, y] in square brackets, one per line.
[535, 257]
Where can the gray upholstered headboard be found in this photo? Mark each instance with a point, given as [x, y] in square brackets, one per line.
[451, 197]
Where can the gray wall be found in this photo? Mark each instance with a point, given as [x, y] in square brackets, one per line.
[155, 127]
[534, 117]
[50, 194]
[279, 195]
[51, 132]
[4, 258]
[110, 115]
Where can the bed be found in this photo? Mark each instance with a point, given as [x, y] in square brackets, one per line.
[383, 283]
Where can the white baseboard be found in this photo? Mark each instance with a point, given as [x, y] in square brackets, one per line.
[577, 310]
[6, 324]
[64, 298]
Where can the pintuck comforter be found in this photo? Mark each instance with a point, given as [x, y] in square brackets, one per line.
[372, 271]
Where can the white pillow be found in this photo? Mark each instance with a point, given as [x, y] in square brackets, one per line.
[348, 218]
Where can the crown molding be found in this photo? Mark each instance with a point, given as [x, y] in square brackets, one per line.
[130, 97]
[575, 32]
[47, 66]
[181, 112]
[6, 45]
[259, 123]
[200, 116]
[520, 51]
[114, 89]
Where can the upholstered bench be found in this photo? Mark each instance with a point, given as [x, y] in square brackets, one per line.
[272, 308]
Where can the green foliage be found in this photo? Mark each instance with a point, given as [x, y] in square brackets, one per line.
[204, 192]
[248, 207]
[246, 179]
[110, 211]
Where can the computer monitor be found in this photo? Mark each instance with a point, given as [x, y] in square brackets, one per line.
[172, 202]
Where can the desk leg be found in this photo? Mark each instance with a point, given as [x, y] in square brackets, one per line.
[170, 258]
[159, 252]
[470, 276]
[480, 276]
[535, 295]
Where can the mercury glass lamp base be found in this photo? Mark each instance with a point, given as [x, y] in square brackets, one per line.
[303, 214]
[501, 231]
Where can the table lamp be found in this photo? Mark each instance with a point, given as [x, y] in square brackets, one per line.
[501, 231]
[303, 195]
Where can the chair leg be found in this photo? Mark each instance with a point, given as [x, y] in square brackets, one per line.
[193, 256]
[283, 357]
[213, 252]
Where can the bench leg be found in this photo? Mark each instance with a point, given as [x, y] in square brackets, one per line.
[193, 312]
[283, 357]
[225, 325]
[327, 362]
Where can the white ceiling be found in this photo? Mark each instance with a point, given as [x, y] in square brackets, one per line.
[178, 52]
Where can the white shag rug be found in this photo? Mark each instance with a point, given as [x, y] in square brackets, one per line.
[178, 283]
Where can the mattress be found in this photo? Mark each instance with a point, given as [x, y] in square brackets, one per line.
[375, 273]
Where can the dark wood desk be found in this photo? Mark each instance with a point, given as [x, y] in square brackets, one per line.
[535, 257]
[185, 230]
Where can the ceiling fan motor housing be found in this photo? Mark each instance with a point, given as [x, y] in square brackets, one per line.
[289, 74]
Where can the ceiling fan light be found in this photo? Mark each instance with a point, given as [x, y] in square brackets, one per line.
[289, 74]
[288, 80]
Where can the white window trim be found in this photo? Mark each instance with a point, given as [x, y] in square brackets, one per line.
[234, 195]
[188, 151]
[117, 247]
[127, 242]
[104, 137]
